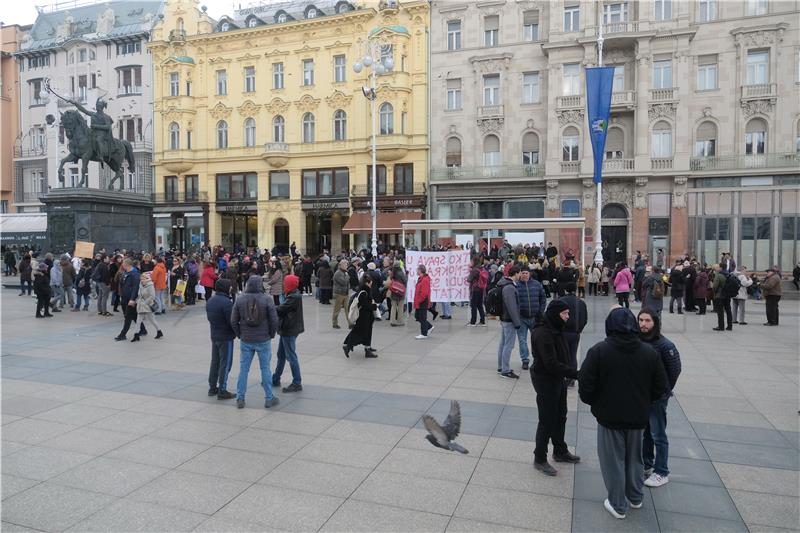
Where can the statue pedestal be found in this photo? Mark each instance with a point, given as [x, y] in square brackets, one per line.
[110, 219]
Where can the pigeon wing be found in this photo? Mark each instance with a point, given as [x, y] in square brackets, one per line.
[436, 431]
[452, 424]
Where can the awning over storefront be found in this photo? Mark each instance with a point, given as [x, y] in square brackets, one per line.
[386, 223]
[23, 228]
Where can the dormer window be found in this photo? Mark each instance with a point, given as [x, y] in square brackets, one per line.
[282, 18]
[225, 26]
[343, 7]
[252, 23]
[312, 13]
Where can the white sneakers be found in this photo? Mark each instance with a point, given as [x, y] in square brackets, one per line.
[421, 337]
[612, 512]
[431, 329]
[656, 480]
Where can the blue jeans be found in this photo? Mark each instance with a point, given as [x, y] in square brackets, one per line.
[221, 361]
[287, 350]
[655, 446]
[264, 350]
[522, 336]
[507, 336]
[446, 311]
[78, 300]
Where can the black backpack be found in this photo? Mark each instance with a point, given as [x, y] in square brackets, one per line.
[252, 313]
[494, 301]
[731, 287]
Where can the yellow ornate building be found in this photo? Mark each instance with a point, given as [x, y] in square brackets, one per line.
[263, 133]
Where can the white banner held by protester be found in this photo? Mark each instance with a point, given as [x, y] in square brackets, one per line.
[448, 272]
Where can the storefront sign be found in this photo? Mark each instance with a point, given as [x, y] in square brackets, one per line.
[389, 202]
[448, 272]
[321, 207]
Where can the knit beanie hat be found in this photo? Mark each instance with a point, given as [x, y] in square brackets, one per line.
[290, 283]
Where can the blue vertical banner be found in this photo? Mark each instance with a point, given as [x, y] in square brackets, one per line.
[599, 83]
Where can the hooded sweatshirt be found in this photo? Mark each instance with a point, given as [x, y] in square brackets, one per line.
[551, 357]
[621, 376]
[666, 350]
[267, 317]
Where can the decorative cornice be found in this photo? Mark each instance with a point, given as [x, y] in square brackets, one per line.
[249, 109]
[338, 100]
[307, 103]
[277, 106]
[338, 44]
[489, 64]
[220, 111]
[760, 35]
[570, 116]
[248, 57]
[491, 125]
[656, 111]
[763, 106]
[306, 50]
[276, 53]
[215, 60]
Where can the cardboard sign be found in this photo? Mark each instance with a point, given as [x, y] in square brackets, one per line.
[180, 288]
[448, 272]
[84, 250]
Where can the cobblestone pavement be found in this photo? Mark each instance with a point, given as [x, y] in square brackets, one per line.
[106, 436]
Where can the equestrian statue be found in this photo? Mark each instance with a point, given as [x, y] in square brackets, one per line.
[93, 143]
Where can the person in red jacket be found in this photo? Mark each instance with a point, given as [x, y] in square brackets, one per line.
[422, 301]
[208, 278]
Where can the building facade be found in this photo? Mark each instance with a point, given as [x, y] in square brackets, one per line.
[86, 52]
[264, 135]
[10, 36]
[702, 149]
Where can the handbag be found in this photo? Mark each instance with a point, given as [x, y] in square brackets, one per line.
[397, 288]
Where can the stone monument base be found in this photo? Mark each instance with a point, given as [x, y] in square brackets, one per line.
[110, 219]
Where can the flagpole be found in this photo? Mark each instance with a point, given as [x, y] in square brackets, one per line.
[598, 255]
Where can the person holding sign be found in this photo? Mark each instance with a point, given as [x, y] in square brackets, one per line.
[422, 301]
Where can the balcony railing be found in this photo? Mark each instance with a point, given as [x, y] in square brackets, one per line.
[623, 98]
[661, 163]
[186, 196]
[620, 27]
[663, 95]
[486, 111]
[501, 171]
[39, 151]
[737, 162]
[618, 165]
[761, 90]
[365, 190]
[282, 148]
[129, 89]
[573, 101]
[570, 167]
[177, 35]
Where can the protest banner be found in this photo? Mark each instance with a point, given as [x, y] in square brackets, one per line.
[84, 250]
[448, 272]
[180, 288]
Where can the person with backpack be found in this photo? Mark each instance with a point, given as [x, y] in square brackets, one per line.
[422, 302]
[255, 321]
[532, 302]
[725, 287]
[362, 312]
[218, 313]
[478, 281]
[653, 291]
[397, 294]
[290, 317]
[509, 320]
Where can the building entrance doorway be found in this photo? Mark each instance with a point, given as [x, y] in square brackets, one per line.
[614, 235]
[280, 240]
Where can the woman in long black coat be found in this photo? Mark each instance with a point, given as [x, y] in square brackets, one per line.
[362, 330]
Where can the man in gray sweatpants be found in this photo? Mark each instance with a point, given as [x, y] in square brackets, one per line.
[620, 378]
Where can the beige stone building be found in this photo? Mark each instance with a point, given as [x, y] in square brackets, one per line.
[704, 136]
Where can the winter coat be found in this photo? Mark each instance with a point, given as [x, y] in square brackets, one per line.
[218, 313]
[146, 297]
[718, 285]
[676, 282]
[41, 285]
[268, 324]
[84, 278]
[130, 286]
[510, 302]
[159, 276]
[532, 300]
[67, 275]
[744, 282]
[578, 314]
[25, 269]
[648, 298]
[422, 292]
[275, 283]
[700, 285]
[594, 275]
[772, 286]
[102, 274]
[290, 315]
[551, 357]
[325, 276]
[623, 281]
[208, 278]
[341, 282]
[362, 330]
[622, 376]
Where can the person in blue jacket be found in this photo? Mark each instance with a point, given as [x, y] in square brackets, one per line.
[218, 313]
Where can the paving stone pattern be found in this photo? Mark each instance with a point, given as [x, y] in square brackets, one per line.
[105, 436]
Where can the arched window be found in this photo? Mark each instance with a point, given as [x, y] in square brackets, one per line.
[311, 14]
[281, 18]
[225, 26]
[308, 128]
[614, 211]
[530, 149]
[570, 150]
[252, 23]
[662, 140]
[222, 134]
[453, 156]
[491, 151]
[278, 129]
[755, 137]
[615, 143]
[706, 143]
[174, 136]
[339, 125]
[179, 24]
[250, 132]
[387, 118]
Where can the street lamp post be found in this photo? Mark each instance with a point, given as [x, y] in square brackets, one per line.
[377, 66]
[598, 254]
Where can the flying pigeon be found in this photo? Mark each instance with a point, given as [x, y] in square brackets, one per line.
[442, 436]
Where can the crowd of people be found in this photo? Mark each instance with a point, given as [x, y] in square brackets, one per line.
[255, 295]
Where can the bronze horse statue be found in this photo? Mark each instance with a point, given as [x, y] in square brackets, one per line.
[83, 147]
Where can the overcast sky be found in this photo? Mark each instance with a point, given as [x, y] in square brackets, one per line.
[23, 12]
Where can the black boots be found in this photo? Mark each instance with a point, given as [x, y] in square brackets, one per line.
[159, 334]
[135, 337]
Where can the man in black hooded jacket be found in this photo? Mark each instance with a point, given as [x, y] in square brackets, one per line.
[620, 379]
[551, 365]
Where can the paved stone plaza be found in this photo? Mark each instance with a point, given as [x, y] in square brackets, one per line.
[106, 436]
